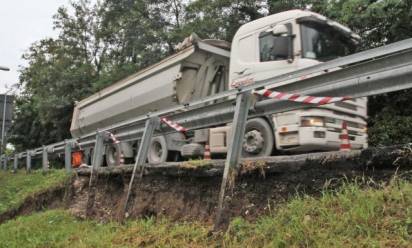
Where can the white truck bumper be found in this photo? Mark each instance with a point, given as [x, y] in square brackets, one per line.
[301, 139]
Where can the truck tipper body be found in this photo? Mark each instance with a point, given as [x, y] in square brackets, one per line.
[270, 46]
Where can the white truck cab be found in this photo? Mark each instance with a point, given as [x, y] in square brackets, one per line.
[285, 42]
[279, 44]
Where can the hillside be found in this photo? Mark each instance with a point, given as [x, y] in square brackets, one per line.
[374, 214]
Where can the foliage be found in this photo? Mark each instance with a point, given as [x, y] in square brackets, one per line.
[390, 129]
[220, 19]
[378, 216]
[379, 23]
[15, 188]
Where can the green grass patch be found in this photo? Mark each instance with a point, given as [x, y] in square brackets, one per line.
[56, 228]
[14, 188]
[350, 217]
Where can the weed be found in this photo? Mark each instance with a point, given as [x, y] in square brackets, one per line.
[196, 164]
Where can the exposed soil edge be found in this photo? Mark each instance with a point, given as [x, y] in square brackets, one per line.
[51, 198]
[188, 191]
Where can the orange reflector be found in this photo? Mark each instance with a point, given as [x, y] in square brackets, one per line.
[283, 129]
[77, 159]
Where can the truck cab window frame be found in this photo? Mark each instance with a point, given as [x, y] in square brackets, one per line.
[323, 42]
[275, 47]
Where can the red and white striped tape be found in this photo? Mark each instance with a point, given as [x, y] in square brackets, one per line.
[277, 95]
[319, 100]
[173, 125]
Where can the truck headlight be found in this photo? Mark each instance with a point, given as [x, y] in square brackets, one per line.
[312, 122]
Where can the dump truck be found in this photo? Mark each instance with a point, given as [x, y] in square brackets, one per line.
[261, 49]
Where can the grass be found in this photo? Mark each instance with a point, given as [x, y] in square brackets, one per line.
[14, 188]
[56, 228]
[349, 217]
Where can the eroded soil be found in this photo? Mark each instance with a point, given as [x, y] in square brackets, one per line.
[190, 192]
[195, 198]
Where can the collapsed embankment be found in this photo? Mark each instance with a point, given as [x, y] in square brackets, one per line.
[51, 195]
[189, 190]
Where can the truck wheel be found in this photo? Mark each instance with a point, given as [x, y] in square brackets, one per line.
[158, 152]
[258, 140]
[113, 155]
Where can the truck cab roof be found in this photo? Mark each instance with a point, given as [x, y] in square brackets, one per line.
[297, 14]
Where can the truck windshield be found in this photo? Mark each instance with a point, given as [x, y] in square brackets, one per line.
[323, 43]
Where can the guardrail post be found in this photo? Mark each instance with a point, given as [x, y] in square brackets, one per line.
[16, 163]
[97, 161]
[45, 159]
[151, 125]
[97, 158]
[68, 156]
[5, 161]
[28, 161]
[243, 103]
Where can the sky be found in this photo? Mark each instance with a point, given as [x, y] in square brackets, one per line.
[23, 22]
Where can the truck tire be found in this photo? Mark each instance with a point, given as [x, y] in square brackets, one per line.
[113, 155]
[158, 152]
[258, 140]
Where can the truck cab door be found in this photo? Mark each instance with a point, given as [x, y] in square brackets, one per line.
[273, 54]
[276, 54]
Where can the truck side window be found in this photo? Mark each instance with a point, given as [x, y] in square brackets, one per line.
[273, 47]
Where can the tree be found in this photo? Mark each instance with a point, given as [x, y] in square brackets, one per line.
[220, 19]
[379, 23]
[59, 72]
